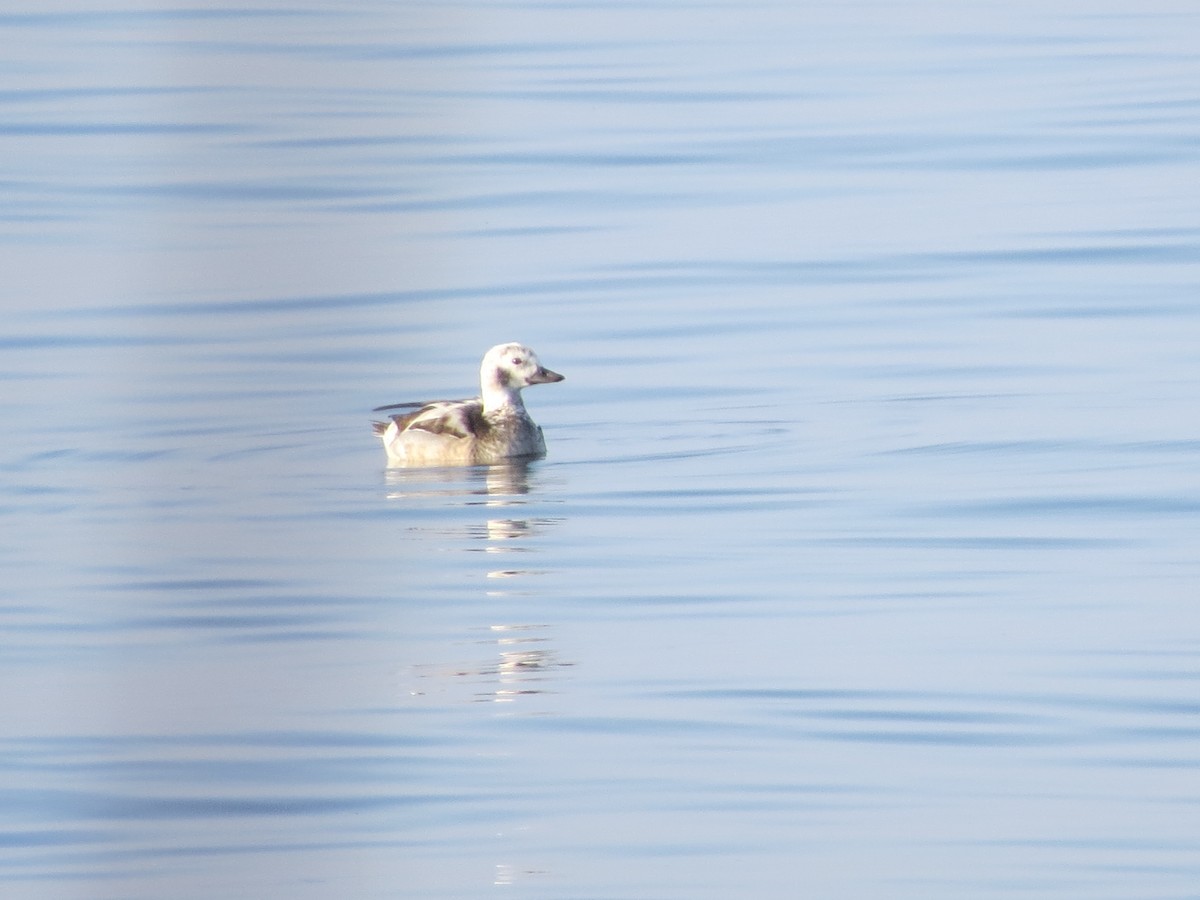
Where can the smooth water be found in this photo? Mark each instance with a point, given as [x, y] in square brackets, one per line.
[865, 560]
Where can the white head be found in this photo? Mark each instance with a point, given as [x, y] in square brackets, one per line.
[506, 369]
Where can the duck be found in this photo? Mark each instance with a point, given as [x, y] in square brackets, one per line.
[487, 429]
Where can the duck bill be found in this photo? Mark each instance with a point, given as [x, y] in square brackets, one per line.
[544, 376]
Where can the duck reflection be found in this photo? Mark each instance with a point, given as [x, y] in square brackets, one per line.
[522, 661]
[506, 486]
[494, 483]
[523, 665]
[503, 486]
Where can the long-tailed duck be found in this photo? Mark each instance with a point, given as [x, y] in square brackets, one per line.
[487, 429]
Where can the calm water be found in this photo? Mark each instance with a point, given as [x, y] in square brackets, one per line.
[865, 559]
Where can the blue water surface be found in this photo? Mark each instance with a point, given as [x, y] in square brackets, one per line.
[864, 559]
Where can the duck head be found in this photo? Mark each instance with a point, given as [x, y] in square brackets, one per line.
[506, 369]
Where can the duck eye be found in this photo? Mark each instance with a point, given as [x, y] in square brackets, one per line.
[516, 360]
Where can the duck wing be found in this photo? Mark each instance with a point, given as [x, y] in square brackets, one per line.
[453, 418]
